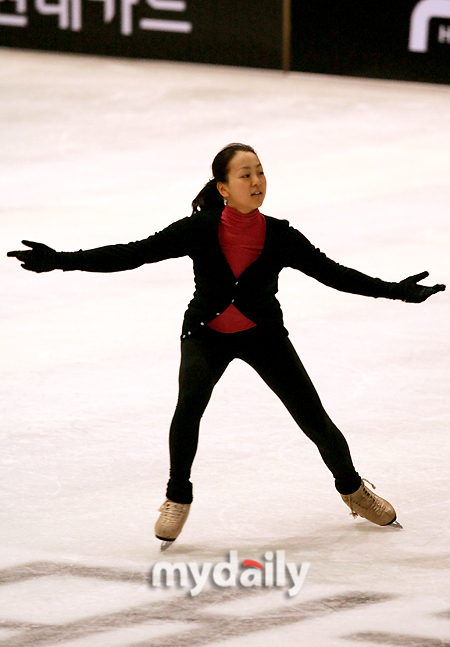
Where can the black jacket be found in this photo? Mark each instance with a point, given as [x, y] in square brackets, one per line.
[215, 284]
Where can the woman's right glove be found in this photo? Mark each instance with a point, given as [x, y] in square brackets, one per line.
[40, 258]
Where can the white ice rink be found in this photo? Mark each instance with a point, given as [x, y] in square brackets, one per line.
[97, 151]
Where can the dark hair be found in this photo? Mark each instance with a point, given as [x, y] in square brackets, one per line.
[209, 198]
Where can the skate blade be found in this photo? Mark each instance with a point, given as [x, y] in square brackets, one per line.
[166, 544]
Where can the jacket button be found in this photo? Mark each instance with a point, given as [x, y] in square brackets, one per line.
[202, 323]
[217, 314]
[232, 300]
[183, 337]
[189, 332]
[237, 282]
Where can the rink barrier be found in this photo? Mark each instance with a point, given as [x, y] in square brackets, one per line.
[223, 32]
[404, 40]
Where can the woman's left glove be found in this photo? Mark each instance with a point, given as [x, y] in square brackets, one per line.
[409, 291]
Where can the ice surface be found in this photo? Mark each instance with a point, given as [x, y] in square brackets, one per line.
[95, 151]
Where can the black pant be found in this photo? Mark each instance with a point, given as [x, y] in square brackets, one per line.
[204, 358]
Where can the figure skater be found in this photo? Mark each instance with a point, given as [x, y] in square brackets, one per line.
[237, 255]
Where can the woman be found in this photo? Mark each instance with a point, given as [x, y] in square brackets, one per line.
[238, 254]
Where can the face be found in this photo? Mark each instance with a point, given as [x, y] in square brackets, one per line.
[245, 188]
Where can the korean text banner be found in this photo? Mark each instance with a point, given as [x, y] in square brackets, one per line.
[225, 32]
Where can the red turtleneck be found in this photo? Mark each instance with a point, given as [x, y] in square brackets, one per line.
[241, 237]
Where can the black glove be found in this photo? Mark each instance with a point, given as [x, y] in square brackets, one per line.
[408, 290]
[40, 258]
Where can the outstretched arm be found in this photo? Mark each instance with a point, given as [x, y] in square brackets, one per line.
[171, 242]
[310, 260]
[111, 258]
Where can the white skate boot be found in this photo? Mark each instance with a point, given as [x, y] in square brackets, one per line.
[171, 521]
[365, 503]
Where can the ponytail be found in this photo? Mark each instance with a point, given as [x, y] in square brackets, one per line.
[209, 198]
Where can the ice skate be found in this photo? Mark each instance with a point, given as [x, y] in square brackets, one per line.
[171, 521]
[365, 503]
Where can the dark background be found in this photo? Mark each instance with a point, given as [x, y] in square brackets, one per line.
[367, 38]
[225, 32]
